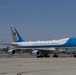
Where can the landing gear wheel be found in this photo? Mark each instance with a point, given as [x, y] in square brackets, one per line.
[55, 56]
[74, 56]
[40, 56]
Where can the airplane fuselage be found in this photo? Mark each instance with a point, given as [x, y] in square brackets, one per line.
[66, 42]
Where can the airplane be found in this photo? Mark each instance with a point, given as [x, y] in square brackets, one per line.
[41, 48]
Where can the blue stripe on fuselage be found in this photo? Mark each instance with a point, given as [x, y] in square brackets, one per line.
[70, 43]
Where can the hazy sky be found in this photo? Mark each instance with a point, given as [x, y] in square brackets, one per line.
[38, 19]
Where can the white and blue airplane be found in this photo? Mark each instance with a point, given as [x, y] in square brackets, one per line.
[42, 48]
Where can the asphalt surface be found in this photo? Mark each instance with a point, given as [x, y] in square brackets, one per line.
[38, 66]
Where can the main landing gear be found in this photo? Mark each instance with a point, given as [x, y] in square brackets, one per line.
[74, 56]
[55, 56]
[47, 56]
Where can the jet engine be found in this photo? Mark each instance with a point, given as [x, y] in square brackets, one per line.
[36, 53]
[11, 51]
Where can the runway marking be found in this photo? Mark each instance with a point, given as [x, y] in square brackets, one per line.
[35, 71]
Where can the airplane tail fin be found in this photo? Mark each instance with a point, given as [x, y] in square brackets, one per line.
[15, 35]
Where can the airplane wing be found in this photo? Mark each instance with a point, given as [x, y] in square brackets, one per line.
[43, 50]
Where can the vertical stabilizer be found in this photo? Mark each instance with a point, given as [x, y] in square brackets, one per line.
[15, 35]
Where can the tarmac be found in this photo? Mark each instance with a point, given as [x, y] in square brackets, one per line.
[38, 66]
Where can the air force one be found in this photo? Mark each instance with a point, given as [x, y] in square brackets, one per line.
[41, 48]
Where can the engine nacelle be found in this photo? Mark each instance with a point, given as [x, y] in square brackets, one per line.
[36, 53]
[11, 51]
